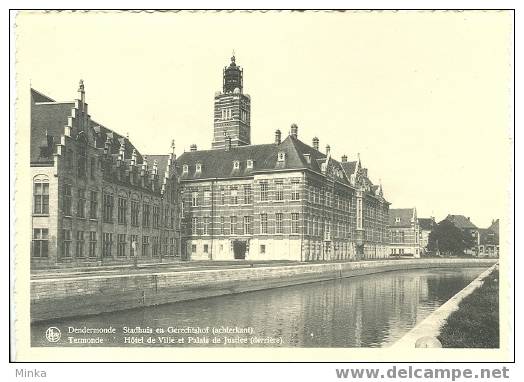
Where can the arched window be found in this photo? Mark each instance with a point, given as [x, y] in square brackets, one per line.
[41, 196]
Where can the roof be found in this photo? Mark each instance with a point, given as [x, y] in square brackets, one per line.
[401, 217]
[48, 119]
[219, 163]
[426, 224]
[460, 221]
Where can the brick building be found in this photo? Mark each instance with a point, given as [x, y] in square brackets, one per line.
[96, 199]
[283, 200]
[404, 232]
[489, 240]
[469, 229]
[426, 225]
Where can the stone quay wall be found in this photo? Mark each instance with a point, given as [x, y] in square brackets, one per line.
[60, 297]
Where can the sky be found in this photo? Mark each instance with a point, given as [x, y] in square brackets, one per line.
[425, 98]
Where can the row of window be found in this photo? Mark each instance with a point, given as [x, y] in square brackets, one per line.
[229, 225]
[150, 213]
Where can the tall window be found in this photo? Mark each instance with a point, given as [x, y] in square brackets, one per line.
[194, 226]
[294, 222]
[263, 191]
[279, 190]
[155, 251]
[135, 209]
[233, 194]
[108, 208]
[67, 199]
[93, 168]
[232, 225]
[40, 242]
[41, 197]
[295, 190]
[247, 225]
[263, 223]
[81, 203]
[122, 210]
[166, 217]
[222, 225]
[92, 244]
[133, 245]
[248, 199]
[145, 246]
[207, 224]
[194, 199]
[93, 205]
[66, 243]
[107, 244]
[172, 246]
[121, 246]
[222, 196]
[145, 215]
[156, 216]
[279, 223]
[80, 244]
[82, 161]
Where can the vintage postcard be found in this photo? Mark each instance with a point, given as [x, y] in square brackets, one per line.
[264, 186]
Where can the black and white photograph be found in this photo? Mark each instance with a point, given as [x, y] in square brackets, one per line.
[264, 185]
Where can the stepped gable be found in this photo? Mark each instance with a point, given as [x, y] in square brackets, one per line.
[48, 119]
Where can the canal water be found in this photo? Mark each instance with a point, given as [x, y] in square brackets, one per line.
[364, 311]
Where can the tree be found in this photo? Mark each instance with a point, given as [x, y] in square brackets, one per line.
[447, 238]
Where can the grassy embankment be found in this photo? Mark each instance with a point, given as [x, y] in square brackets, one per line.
[476, 323]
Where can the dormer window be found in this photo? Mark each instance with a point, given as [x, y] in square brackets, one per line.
[281, 156]
[185, 169]
[307, 157]
[199, 167]
[236, 165]
[249, 163]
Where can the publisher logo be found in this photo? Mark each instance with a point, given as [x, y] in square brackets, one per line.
[53, 334]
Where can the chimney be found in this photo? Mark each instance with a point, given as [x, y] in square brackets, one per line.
[294, 130]
[228, 143]
[278, 136]
[315, 143]
[193, 147]
[328, 149]
[344, 158]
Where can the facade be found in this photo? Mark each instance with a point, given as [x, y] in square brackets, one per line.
[468, 228]
[96, 199]
[283, 200]
[426, 225]
[404, 232]
[489, 240]
[232, 112]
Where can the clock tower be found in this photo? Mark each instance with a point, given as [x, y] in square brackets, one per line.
[232, 113]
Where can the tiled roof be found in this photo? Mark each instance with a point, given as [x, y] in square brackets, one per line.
[349, 168]
[36, 96]
[460, 221]
[403, 215]
[219, 163]
[161, 163]
[426, 224]
[50, 118]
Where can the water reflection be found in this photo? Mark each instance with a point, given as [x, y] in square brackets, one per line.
[366, 311]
